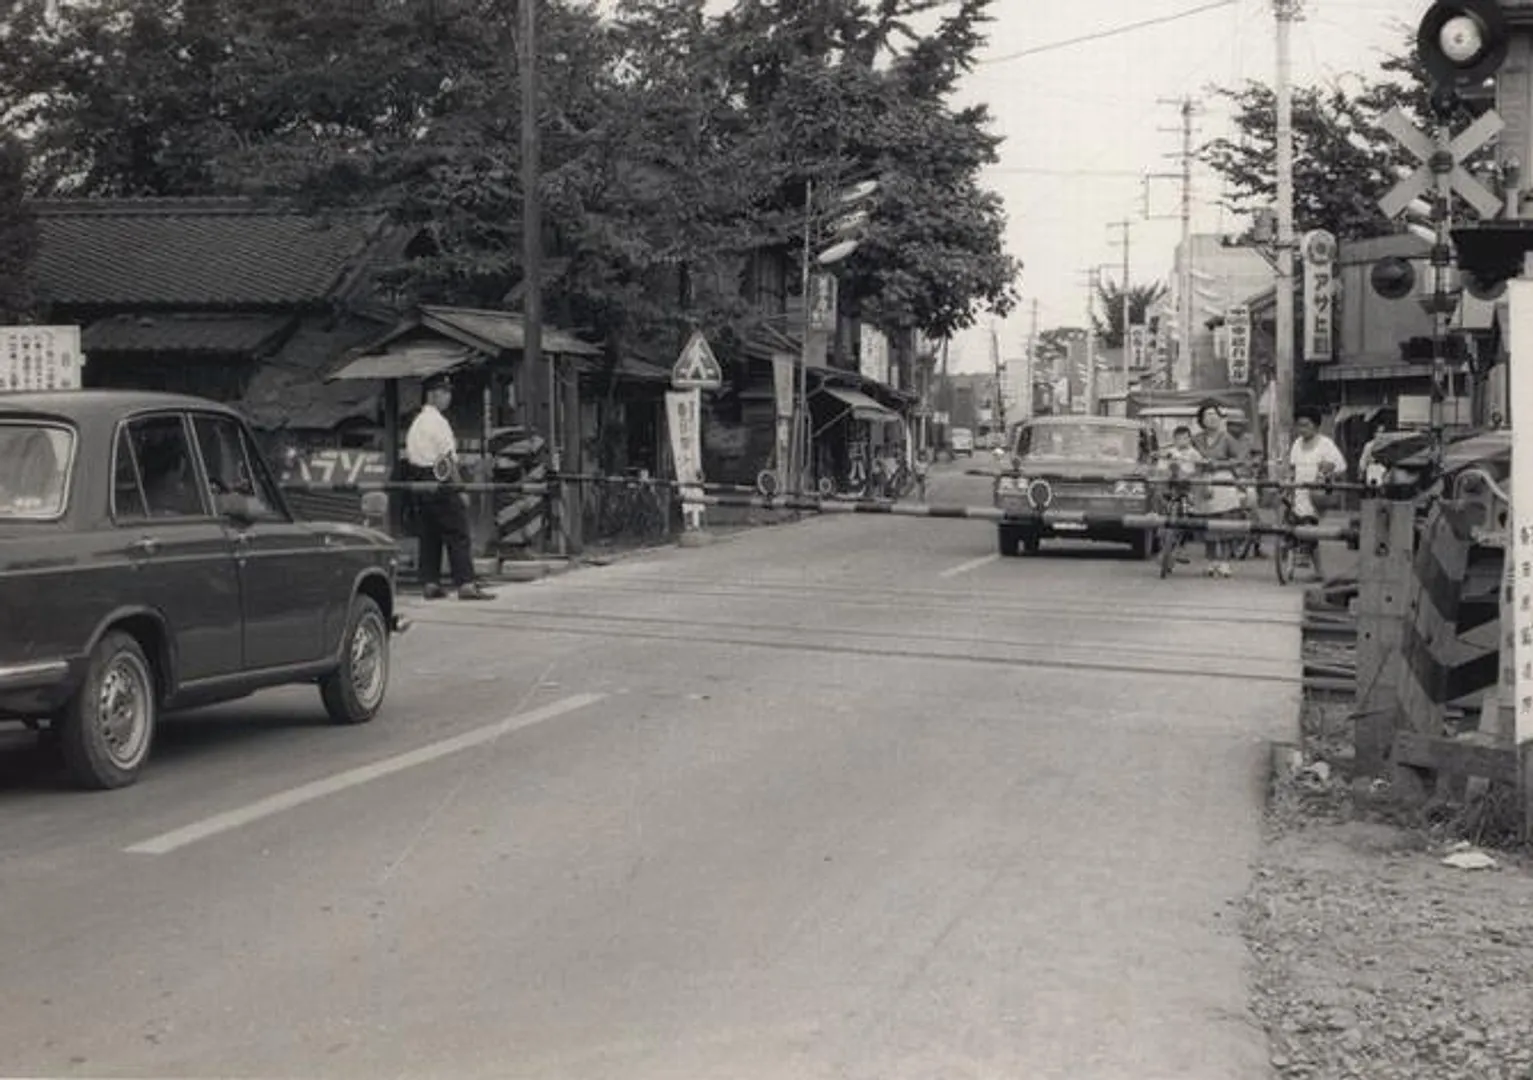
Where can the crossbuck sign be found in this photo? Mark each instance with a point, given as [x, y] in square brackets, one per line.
[1441, 158]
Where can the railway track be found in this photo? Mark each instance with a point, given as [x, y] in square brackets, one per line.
[1328, 636]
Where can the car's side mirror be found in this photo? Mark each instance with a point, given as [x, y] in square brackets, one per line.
[236, 508]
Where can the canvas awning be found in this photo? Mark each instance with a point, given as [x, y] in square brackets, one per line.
[406, 362]
[861, 406]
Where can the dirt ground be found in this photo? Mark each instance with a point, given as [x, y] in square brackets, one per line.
[1373, 958]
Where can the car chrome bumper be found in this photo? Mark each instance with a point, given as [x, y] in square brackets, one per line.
[43, 673]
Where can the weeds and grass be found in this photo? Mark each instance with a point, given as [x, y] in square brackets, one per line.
[1481, 813]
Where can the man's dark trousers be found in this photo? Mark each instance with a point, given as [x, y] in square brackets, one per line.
[444, 522]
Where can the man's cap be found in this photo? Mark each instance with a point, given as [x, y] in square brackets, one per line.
[440, 381]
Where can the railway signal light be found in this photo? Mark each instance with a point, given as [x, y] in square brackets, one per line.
[1461, 43]
[1393, 278]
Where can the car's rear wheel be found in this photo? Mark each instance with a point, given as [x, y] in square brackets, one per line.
[1007, 541]
[354, 691]
[106, 730]
[1142, 546]
[1032, 543]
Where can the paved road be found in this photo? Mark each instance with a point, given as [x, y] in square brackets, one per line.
[848, 798]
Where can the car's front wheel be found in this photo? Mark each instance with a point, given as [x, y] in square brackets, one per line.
[106, 730]
[1142, 546]
[354, 691]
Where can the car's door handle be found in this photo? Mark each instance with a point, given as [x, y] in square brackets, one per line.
[146, 546]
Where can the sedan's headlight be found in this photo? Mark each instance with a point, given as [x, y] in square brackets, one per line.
[1129, 489]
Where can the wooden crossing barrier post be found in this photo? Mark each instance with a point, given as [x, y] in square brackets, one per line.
[1387, 543]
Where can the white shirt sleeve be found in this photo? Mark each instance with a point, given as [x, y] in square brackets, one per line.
[1330, 452]
[429, 439]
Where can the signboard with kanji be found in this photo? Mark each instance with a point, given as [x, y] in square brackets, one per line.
[1238, 327]
[1319, 248]
[1138, 346]
[40, 358]
[822, 303]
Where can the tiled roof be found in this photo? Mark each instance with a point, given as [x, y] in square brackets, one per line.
[238, 335]
[188, 254]
[289, 391]
[502, 329]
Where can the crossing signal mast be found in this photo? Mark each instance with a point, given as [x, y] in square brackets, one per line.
[1461, 43]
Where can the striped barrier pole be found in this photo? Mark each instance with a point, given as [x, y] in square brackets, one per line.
[1340, 486]
[1219, 526]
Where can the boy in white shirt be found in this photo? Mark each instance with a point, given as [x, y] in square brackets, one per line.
[1313, 459]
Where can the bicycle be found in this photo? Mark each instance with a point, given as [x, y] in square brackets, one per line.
[1172, 537]
[1290, 554]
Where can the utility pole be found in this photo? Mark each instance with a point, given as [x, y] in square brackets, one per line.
[799, 447]
[1123, 227]
[1091, 340]
[1279, 428]
[1029, 370]
[995, 365]
[540, 373]
[1183, 361]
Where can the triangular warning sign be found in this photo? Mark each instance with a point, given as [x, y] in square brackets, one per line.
[697, 366]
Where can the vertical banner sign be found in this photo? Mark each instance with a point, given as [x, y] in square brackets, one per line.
[1319, 249]
[683, 409]
[874, 361]
[40, 358]
[1138, 345]
[1520, 543]
[822, 303]
[783, 370]
[1238, 325]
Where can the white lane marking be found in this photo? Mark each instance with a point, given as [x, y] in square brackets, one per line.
[330, 785]
[972, 564]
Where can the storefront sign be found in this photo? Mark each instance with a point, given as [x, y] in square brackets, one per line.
[1138, 346]
[1319, 248]
[874, 361]
[1238, 327]
[328, 467]
[40, 358]
[822, 303]
[1520, 548]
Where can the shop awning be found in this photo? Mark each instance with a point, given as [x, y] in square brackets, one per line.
[862, 406]
[409, 362]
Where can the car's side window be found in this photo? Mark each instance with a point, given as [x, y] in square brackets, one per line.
[229, 466]
[166, 467]
[128, 503]
[261, 474]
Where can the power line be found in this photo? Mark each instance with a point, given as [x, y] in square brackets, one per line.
[1111, 32]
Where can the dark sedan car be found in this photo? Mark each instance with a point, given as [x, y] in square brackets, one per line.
[148, 562]
[1089, 470]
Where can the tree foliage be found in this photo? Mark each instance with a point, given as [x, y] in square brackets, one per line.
[18, 232]
[1109, 327]
[1343, 159]
[672, 141]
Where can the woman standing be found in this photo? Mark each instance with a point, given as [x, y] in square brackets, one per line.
[1220, 500]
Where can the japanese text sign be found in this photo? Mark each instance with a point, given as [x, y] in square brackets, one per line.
[1319, 248]
[684, 418]
[39, 358]
[1138, 346]
[1238, 322]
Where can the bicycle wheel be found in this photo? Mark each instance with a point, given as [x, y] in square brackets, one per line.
[1285, 556]
[1170, 544]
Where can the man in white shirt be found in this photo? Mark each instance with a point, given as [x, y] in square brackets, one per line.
[431, 454]
[1313, 459]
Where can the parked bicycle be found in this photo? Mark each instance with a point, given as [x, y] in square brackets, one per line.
[1178, 507]
[1290, 554]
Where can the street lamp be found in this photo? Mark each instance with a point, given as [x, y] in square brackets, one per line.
[845, 233]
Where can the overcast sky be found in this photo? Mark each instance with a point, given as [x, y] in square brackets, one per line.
[1074, 117]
